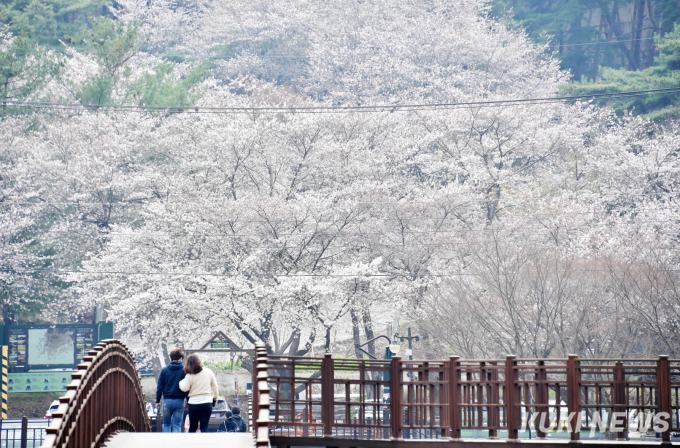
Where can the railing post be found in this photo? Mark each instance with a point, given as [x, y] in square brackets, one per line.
[255, 394]
[395, 397]
[663, 384]
[574, 397]
[542, 402]
[510, 398]
[493, 413]
[454, 397]
[620, 399]
[327, 395]
[24, 432]
[262, 419]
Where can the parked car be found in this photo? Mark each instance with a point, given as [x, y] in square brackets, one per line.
[145, 372]
[217, 416]
[53, 407]
[143, 367]
[153, 417]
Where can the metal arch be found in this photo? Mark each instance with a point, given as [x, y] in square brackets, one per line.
[358, 346]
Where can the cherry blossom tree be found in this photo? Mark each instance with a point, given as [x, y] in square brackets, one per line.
[253, 214]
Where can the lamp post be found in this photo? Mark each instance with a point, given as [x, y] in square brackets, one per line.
[410, 345]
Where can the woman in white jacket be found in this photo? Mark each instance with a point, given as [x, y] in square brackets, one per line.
[201, 384]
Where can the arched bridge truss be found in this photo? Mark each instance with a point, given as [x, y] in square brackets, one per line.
[104, 397]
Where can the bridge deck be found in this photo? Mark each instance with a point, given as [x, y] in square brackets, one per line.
[183, 440]
[280, 442]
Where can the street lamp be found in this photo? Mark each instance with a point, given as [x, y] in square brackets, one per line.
[394, 346]
[410, 345]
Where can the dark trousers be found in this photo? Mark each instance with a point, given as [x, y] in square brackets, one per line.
[199, 413]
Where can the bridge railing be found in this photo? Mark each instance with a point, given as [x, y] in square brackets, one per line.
[505, 398]
[260, 397]
[104, 397]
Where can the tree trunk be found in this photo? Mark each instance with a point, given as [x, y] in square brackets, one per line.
[368, 329]
[356, 335]
[636, 32]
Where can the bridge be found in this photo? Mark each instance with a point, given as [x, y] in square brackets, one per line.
[453, 403]
[104, 407]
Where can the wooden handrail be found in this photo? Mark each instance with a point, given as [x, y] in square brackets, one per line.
[104, 397]
[441, 398]
[261, 397]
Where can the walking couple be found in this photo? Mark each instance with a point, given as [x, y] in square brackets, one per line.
[177, 382]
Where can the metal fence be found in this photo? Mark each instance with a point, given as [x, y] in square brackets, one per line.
[509, 398]
[23, 432]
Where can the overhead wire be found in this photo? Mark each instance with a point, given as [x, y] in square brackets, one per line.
[332, 109]
[85, 50]
[266, 275]
[552, 45]
[333, 232]
[406, 201]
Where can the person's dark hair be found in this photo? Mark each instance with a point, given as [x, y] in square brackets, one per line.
[227, 414]
[235, 410]
[176, 354]
[193, 365]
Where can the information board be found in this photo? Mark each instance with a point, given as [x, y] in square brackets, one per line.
[17, 343]
[47, 381]
[85, 338]
[49, 347]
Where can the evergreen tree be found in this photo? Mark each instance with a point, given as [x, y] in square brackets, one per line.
[47, 23]
[665, 73]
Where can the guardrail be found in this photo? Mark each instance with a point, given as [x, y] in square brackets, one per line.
[23, 432]
[507, 398]
[104, 397]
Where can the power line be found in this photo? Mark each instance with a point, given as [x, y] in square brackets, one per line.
[209, 274]
[266, 275]
[601, 42]
[333, 109]
[85, 50]
[355, 232]
[511, 202]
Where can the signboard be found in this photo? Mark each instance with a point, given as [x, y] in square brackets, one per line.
[47, 381]
[17, 342]
[220, 344]
[85, 338]
[61, 346]
[51, 346]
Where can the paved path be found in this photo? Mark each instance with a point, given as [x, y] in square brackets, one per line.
[181, 440]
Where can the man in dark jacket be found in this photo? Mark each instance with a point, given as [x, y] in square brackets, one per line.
[240, 423]
[173, 396]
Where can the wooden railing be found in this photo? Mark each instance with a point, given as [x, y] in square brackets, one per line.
[260, 397]
[104, 397]
[507, 398]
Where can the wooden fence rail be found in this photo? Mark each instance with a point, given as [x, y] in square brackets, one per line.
[431, 399]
